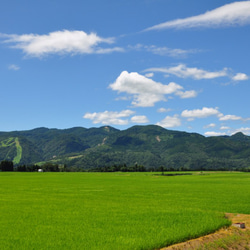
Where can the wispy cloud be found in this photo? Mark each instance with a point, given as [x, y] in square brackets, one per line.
[60, 42]
[182, 71]
[164, 51]
[13, 67]
[146, 92]
[233, 14]
[149, 75]
[211, 125]
[163, 110]
[110, 117]
[230, 117]
[224, 128]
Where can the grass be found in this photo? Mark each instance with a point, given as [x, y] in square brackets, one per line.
[237, 239]
[115, 210]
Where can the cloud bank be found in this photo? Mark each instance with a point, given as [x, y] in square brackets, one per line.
[233, 14]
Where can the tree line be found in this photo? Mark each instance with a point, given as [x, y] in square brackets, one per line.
[51, 167]
[47, 167]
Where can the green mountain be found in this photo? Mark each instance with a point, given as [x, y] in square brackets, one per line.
[151, 146]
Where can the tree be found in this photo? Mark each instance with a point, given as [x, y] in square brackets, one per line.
[50, 167]
[6, 166]
[22, 168]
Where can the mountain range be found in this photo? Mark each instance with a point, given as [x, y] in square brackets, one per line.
[151, 146]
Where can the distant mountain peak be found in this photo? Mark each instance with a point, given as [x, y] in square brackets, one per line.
[239, 135]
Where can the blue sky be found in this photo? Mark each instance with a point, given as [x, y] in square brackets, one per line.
[183, 65]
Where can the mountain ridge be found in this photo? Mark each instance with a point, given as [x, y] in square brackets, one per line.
[150, 145]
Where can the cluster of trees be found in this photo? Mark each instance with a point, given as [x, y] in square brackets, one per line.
[47, 167]
[50, 167]
[6, 166]
[136, 168]
[119, 168]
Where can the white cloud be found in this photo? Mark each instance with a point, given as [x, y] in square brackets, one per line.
[233, 14]
[145, 91]
[211, 125]
[212, 133]
[149, 74]
[186, 94]
[60, 42]
[183, 71]
[165, 51]
[200, 113]
[13, 67]
[230, 117]
[163, 110]
[139, 119]
[224, 128]
[108, 50]
[240, 77]
[170, 122]
[110, 117]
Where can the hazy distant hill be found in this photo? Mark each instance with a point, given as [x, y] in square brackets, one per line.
[151, 146]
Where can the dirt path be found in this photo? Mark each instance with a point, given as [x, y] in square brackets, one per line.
[227, 238]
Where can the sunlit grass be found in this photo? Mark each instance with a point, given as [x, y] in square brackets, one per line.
[115, 210]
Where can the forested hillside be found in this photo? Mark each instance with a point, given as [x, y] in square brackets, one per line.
[149, 146]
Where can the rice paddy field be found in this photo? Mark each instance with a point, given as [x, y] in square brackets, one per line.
[115, 210]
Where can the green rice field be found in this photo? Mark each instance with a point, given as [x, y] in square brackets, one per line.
[115, 210]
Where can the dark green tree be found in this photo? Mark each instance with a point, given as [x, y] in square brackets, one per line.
[6, 166]
[21, 168]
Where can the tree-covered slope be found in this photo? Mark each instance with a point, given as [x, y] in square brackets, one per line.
[151, 146]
